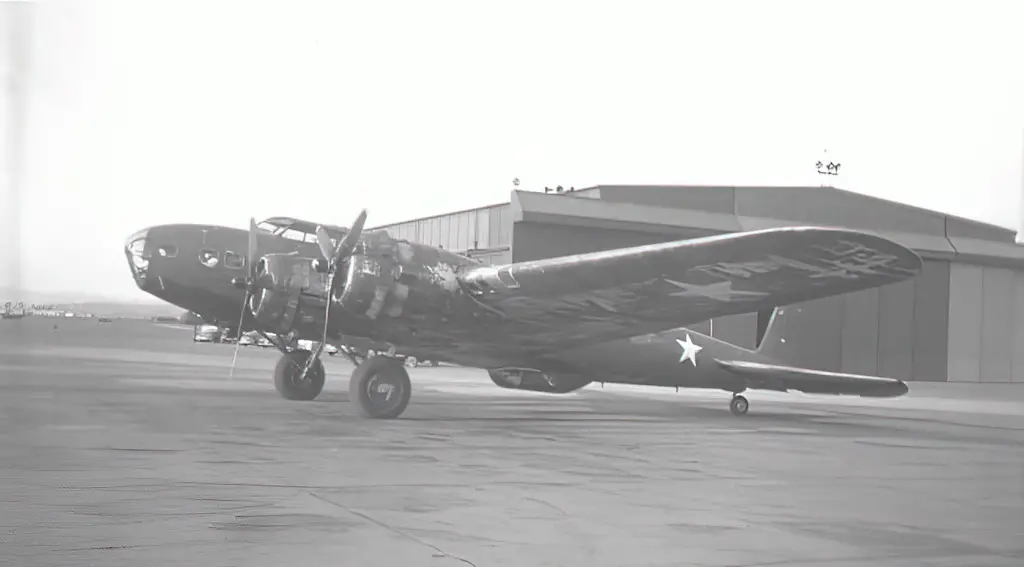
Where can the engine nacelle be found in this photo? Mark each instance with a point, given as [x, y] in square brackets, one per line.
[369, 281]
[535, 380]
[283, 278]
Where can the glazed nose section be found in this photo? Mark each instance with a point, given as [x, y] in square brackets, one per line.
[139, 256]
[143, 247]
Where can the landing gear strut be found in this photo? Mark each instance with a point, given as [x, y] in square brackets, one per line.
[739, 405]
[380, 387]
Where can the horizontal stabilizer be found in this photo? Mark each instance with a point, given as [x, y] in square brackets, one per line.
[762, 376]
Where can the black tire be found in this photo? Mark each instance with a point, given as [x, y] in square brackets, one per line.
[739, 405]
[286, 377]
[373, 373]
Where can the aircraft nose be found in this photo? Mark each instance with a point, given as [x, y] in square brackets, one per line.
[139, 249]
[138, 257]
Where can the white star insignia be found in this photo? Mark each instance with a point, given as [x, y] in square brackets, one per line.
[690, 350]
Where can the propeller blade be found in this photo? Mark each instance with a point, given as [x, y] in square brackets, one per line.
[238, 338]
[253, 246]
[348, 244]
[327, 320]
[323, 240]
[250, 280]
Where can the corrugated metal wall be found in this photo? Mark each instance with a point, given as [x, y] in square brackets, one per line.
[483, 229]
[954, 322]
[537, 241]
[898, 331]
[986, 324]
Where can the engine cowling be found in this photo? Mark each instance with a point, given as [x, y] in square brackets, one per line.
[282, 279]
[535, 380]
[369, 279]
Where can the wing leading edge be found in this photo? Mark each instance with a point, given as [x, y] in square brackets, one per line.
[558, 303]
[765, 376]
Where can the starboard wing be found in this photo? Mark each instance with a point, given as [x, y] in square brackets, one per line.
[762, 376]
[558, 303]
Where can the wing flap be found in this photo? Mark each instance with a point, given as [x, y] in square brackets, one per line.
[763, 376]
[572, 300]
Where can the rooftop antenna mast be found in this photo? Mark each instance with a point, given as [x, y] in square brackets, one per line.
[826, 166]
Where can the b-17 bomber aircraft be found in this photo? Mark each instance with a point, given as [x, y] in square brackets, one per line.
[551, 325]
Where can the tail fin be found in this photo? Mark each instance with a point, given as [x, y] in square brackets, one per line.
[772, 334]
[789, 339]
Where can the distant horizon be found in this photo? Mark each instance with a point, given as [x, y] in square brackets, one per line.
[72, 296]
[37, 296]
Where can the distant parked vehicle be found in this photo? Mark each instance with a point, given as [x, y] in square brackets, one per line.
[207, 334]
[248, 339]
[310, 346]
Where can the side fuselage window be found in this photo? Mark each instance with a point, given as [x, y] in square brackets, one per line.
[209, 258]
[167, 251]
[234, 261]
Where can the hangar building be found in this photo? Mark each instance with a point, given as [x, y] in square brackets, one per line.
[960, 320]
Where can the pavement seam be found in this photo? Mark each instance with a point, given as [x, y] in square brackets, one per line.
[390, 528]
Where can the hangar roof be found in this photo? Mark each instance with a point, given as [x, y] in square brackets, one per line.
[719, 209]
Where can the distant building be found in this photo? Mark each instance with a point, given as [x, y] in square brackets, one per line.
[52, 313]
[961, 319]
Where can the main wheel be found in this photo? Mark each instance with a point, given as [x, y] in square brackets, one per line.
[380, 387]
[739, 405]
[287, 377]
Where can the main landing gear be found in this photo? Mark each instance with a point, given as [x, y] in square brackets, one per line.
[739, 405]
[379, 385]
[294, 384]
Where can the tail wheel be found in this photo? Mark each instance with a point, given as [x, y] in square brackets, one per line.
[288, 372]
[739, 405]
[380, 388]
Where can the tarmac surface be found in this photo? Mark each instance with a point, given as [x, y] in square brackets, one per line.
[125, 444]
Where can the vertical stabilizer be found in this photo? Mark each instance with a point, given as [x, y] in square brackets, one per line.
[776, 344]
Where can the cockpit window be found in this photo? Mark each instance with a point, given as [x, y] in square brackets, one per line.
[298, 230]
[234, 261]
[292, 234]
[167, 251]
[209, 258]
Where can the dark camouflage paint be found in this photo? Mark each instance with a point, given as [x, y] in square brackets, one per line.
[431, 303]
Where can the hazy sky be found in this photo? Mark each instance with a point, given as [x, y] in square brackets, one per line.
[145, 113]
